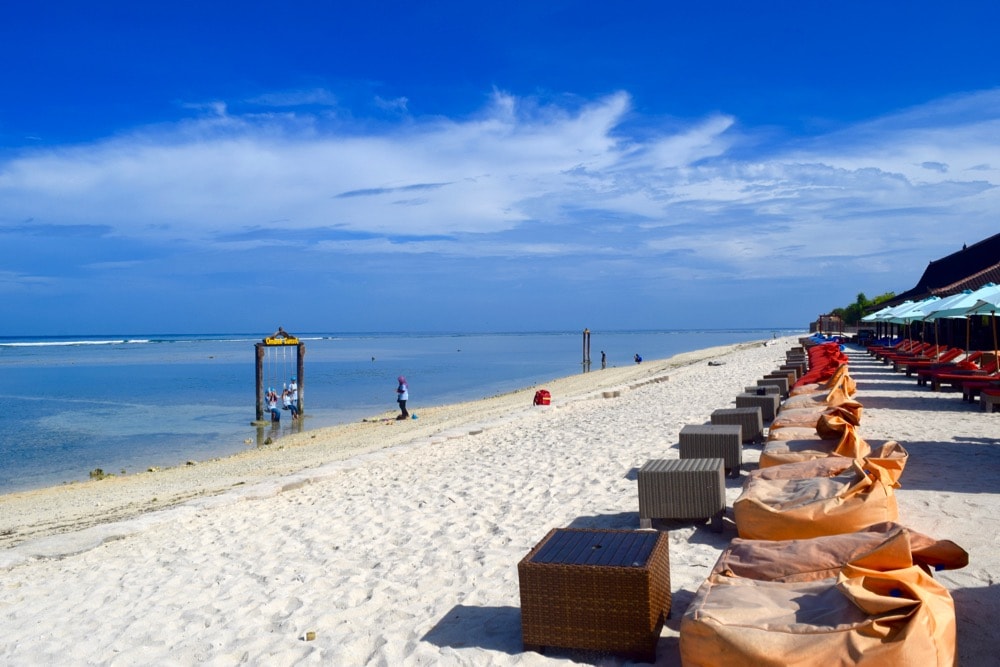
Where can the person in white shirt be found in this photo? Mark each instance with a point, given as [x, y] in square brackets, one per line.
[402, 395]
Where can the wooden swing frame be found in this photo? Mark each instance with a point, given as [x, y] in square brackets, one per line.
[279, 338]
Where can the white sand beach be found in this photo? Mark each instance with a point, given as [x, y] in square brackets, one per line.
[397, 543]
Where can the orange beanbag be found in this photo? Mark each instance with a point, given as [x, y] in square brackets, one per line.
[826, 496]
[863, 598]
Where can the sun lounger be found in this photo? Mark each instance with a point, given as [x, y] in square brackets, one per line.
[989, 399]
[962, 371]
[955, 379]
[971, 389]
[968, 362]
[905, 346]
[909, 366]
[921, 351]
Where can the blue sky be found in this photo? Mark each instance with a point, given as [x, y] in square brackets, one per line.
[483, 166]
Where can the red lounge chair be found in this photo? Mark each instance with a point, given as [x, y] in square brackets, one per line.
[955, 378]
[989, 399]
[922, 351]
[905, 346]
[969, 363]
[972, 388]
[899, 346]
[910, 366]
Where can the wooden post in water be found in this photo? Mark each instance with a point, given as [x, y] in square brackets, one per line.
[300, 371]
[586, 350]
[259, 357]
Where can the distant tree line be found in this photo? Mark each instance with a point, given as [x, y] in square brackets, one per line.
[853, 313]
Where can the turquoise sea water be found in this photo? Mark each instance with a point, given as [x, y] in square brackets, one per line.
[74, 404]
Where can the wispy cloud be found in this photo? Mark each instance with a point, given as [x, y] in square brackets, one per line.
[296, 98]
[370, 192]
[707, 200]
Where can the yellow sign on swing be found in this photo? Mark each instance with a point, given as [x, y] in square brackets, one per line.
[281, 341]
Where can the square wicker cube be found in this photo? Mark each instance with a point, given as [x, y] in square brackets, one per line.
[781, 383]
[763, 389]
[714, 441]
[798, 369]
[788, 375]
[682, 489]
[768, 404]
[600, 590]
[750, 419]
[988, 400]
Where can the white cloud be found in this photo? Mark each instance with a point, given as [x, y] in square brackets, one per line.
[520, 178]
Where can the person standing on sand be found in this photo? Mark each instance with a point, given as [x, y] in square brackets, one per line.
[402, 395]
[604, 360]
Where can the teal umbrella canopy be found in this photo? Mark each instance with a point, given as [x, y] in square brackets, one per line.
[915, 311]
[986, 305]
[959, 305]
[876, 316]
[887, 314]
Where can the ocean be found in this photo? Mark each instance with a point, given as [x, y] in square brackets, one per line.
[123, 404]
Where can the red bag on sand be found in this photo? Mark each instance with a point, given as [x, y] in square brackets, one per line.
[863, 598]
[542, 397]
[827, 496]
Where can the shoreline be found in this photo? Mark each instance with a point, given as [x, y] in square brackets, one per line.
[69, 508]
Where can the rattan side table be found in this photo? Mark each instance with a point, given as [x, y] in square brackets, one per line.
[711, 441]
[600, 590]
[682, 489]
[768, 404]
[749, 419]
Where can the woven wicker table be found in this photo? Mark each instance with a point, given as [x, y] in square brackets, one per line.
[600, 590]
[780, 383]
[768, 404]
[764, 389]
[750, 419]
[789, 376]
[798, 369]
[682, 489]
[714, 441]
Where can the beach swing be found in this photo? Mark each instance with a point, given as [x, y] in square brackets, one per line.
[273, 359]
